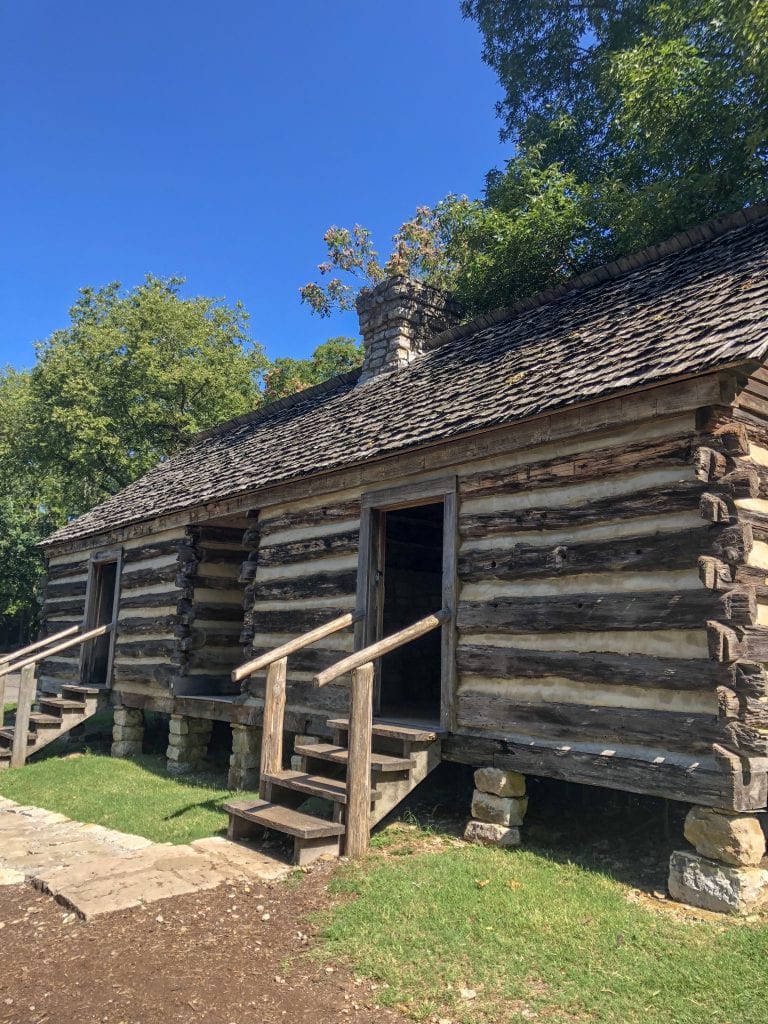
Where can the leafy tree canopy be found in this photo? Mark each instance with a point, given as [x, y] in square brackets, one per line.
[287, 376]
[631, 120]
[130, 381]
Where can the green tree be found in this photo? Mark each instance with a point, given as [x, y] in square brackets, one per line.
[658, 107]
[129, 382]
[287, 376]
[631, 120]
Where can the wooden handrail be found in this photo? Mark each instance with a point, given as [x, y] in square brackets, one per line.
[18, 655]
[360, 735]
[28, 687]
[265, 660]
[276, 664]
[381, 647]
[90, 634]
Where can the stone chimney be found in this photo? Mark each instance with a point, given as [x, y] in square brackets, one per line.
[396, 319]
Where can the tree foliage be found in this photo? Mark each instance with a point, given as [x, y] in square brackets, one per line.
[287, 376]
[660, 107]
[132, 378]
[631, 120]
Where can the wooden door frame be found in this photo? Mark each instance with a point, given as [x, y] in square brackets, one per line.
[104, 556]
[373, 506]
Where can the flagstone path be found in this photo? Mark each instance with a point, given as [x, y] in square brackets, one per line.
[95, 870]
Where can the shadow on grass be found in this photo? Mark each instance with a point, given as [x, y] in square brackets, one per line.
[620, 835]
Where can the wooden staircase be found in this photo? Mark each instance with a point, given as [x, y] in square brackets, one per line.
[401, 758]
[52, 717]
[42, 718]
[358, 778]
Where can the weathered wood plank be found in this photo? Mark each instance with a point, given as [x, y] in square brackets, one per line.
[66, 588]
[589, 612]
[692, 780]
[159, 600]
[660, 552]
[57, 572]
[146, 648]
[333, 699]
[274, 712]
[76, 605]
[291, 621]
[146, 577]
[676, 674]
[359, 762]
[594, 465]
[309, 549]
[672, 730]
[665, 500]
[297, 588]
[308, 517]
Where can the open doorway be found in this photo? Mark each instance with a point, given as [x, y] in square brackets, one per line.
[100, 610]
[411, 588]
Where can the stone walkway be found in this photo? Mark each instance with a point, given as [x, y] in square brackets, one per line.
[94, 870]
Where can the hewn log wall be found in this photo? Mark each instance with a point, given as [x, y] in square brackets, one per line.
[64, 606]
[303, 574]
[211, 616]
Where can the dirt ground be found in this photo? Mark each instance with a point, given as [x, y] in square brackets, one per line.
[233, 955]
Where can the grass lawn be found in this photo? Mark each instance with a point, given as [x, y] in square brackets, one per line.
[9, 708]
[134, 796]
[535, 938]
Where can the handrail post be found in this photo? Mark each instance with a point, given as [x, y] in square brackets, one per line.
[359, 762]
[274, 711]
[27, 688]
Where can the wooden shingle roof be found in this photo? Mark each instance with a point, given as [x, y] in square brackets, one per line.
[695, 303]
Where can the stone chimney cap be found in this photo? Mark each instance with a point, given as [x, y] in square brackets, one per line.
[397, 316]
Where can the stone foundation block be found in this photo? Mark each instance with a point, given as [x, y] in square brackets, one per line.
[719, 887]
[296, 762]
[125, 748]
[245, 739]
[239, 778]
[483, 833]
[498, 810]
[134, 733]
[127, 732]
[128, 716]
[187, 743]
[735, 839]
[305, 741]
[245, 760]
[499, 782]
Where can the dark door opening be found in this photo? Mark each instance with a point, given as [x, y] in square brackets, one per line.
[410, 677]
[100, 612]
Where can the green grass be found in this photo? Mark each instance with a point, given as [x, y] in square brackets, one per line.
[537, 939]
[134, 796]
[9, 709]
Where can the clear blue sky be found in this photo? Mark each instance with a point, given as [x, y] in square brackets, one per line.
[218, 140]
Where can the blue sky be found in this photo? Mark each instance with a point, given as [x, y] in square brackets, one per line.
[218, 141]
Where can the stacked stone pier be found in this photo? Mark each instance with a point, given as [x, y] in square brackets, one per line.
[499, 803]
[726, 871]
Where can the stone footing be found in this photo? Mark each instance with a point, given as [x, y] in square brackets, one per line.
[187, 743]
[127, 732]
[499, 804]
[710, 885]
[245, 757]
[726, 873]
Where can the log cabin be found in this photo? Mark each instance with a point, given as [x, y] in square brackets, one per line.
[536, 542]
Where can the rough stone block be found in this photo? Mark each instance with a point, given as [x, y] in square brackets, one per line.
[128, 716]
[178, 726]
[245, 740]
[719, 887]
[484, 833]
[125, 748]
[499, 810]
[127, 733]
[499, 782]
[296, 763]
[243, 778]
[735, 839]
[305, 741]
[181, 767]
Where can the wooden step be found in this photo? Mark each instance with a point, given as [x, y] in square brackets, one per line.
[283, 819]
[393, 731]
[62, 704]
[6, 736]
[313, 785]
[43, 721]
[339, 755]
[86, 691]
